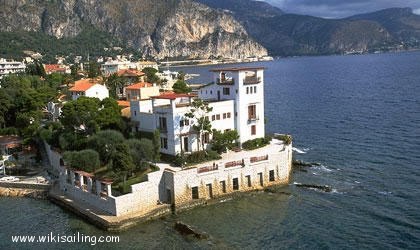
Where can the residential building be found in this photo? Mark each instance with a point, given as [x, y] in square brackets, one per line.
[57, 68]
[10, 67]
[113, 66]
[246, 87]
[90, 88]
[131, 77]
[237, 100]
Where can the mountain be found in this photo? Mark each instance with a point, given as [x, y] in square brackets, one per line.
[289, 34]
[155, 28]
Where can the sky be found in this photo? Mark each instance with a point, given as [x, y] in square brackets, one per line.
[341, 8]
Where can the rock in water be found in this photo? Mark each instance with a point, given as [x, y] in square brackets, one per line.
[185, 229]
[325, 188]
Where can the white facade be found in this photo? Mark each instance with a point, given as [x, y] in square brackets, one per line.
[246, 87]
[112, 67]
[95, 91]
[10, 67]
[237, 99]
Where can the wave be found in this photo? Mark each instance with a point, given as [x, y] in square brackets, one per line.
[300, 151]
[322, 168]
[385, 192]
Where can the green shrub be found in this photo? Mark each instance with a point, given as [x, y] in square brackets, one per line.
[202, 156]
[256, 143]
[287, 139]
[223, 141]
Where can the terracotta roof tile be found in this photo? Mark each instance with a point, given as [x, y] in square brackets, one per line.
[130, 72]
[123, 103]
[139, 85]
[84, 84]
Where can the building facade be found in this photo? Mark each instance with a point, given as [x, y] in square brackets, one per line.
[245, 86]
[237, 100]
[10, 67]
[89, 88]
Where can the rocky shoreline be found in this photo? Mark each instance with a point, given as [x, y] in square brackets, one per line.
[20, 192]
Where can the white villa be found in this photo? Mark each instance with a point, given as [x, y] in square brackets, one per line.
[113, 66]
[10, 67]
[89, 88]
[237, 99]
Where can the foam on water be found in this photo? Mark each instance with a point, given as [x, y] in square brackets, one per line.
[300, 151]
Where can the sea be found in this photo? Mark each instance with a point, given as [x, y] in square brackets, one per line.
[356, 119]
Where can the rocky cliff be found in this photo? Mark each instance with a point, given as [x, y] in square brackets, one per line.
[289, 34]
[157, 28]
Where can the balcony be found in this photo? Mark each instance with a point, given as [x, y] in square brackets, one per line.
[226, 81]
[253, 118]
[207, 169]
[252, 80]
[258, 159]
[234, 164]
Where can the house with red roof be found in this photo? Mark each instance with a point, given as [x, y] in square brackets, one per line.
[90, 88]
[56, 68]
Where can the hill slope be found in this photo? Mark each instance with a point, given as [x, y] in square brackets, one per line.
[289, 34]
[157, 28]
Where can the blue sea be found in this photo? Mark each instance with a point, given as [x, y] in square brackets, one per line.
[357, 117]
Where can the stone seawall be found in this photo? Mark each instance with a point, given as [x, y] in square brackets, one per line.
[31, 190]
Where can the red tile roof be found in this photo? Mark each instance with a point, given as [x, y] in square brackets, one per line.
[49, 68]
[84, 84]
[123, 103]
[171, 96]
[130, 73]
[139, 86]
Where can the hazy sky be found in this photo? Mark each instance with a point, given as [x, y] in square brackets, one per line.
[341, 8]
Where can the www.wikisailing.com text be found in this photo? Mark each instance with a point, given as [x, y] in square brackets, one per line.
[57, 238]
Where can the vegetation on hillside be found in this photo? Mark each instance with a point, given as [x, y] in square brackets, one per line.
[90, 42]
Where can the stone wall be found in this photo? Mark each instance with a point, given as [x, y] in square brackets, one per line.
[176, 187]
[54, 159]
[209, 184]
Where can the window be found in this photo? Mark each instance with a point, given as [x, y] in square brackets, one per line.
[135, 113]
[250, 90]
[261, 179]
[253, 130]
[271, 178]
[224, 115]
[194, 193]
[247, 90]
[184, 122]
[226, 91]
[164, 142]
[255, 89]
[218, 117]
[213, 117]
[248, 179]
[162, 124]
[235, 184]
[223, 186]
[228, 115]
[211, 92]
[252, 112]
[205, 138]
